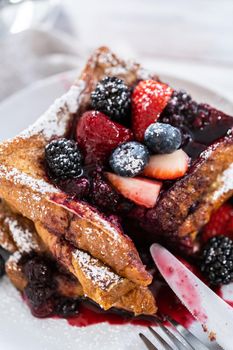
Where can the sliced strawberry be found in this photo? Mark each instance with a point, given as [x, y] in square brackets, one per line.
[149, 99]
[139, 190]
[98, 136]
[167, 166]
[220, 223]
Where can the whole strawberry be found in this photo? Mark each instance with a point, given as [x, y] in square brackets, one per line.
[98, 136]
[149, 99]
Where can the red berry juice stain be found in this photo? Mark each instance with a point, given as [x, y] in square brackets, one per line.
[220, 294]
[89, 315]
[180, 281]
[169, 305]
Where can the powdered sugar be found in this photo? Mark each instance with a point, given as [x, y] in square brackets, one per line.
[19, 178]
[96, 271]
[226, 181]
[144, 74]
[13, 261]
[55, 121]
[22, 237]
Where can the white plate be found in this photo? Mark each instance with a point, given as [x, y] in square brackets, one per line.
[18, 329]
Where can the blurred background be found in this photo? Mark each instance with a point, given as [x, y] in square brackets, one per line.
[191, 39]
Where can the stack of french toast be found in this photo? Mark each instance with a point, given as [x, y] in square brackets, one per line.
[91, 245]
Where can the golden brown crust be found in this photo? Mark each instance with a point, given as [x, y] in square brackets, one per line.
[98, 281]
[6, 241]
[23, 182]
[18, 233]
[14, 271]
[140, 300]
[187, 206]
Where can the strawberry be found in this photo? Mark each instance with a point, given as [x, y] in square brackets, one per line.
[221, 223]
[149, 99]
[167, 166]
[98, 136]
[139, 190]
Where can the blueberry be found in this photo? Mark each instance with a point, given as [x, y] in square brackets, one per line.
[2, 266]
[162, 138]
[129, 159]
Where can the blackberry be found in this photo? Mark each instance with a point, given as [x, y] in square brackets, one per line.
[217, 260]
[162, 138]
[37, 294]
[129, 159]
[67, 307]
[104, 197]
[45, 309]
[182, 111]
[78, 188]
[37, 271]
[64, 159]
[2, 266]
[177, 108]
[112, 97]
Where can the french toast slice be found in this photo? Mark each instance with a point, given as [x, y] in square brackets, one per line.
[17, 234]
[99, 283]
[24, 184]
[74, 231]
[139, 300]
[202, 191]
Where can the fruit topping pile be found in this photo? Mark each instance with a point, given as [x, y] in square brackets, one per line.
[121, 152]
[200, 124]
[131, 145]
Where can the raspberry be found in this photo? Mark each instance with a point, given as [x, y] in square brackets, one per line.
[229, 227]
[98, 136]
[217, 261]
[219, 223]
[63, 158]
[112, 97]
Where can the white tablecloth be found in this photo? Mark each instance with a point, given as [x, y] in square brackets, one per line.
[190, 39]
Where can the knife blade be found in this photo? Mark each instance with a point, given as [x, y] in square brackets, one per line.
[211, 311]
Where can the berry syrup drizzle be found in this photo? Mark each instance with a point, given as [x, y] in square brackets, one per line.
[90, 315]
[167, 302]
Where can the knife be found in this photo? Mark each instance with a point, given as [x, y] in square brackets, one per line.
[211, 311]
